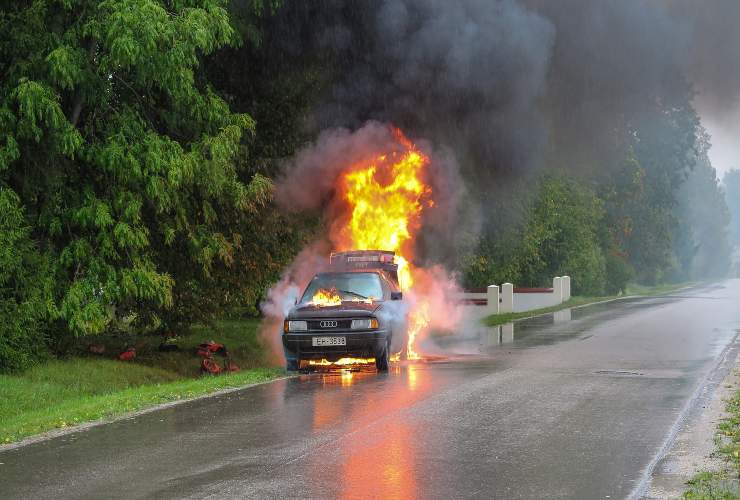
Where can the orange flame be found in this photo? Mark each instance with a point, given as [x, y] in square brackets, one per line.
[341, 362]
[418, 320]
[326, 298]
[386, 197]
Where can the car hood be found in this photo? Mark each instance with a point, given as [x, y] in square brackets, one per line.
[346, 310]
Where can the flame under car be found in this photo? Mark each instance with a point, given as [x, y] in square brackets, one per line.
[347, 312]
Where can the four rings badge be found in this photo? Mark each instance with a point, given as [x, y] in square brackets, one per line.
[328, 324]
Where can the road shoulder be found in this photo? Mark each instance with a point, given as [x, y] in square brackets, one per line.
[693, 448]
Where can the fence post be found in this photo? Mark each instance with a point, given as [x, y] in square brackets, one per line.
[557, 289]
[492, 296]
[507, 298]
[566, 288]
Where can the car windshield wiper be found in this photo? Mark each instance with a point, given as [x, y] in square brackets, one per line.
[353, 293]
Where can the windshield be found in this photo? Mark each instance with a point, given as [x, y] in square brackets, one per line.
[348, 286]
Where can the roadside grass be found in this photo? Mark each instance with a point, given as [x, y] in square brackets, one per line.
[238, 335]
[85, 388]
[632, 290]
[725, 483]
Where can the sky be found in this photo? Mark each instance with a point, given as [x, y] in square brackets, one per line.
[725, 130]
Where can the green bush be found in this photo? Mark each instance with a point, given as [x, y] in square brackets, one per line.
[587, 270]
[22, 306]
[618, 273]
[561, 236]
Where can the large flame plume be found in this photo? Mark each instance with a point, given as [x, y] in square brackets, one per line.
[387, 196]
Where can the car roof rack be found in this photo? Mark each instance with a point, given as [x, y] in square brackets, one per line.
[364, 260]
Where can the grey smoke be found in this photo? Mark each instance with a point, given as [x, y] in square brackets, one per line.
[465, 75]
[310, 176]
[713, 51]
[512, 85]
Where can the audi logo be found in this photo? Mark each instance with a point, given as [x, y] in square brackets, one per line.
[328, 324]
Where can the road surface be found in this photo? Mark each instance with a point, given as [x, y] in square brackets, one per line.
[576, 405]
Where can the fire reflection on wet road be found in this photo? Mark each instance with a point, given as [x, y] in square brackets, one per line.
[556, 406]
[391, 453]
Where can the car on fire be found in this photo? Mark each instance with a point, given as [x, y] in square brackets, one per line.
[353, 310]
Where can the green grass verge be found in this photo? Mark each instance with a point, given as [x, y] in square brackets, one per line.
[64, 393]
[725, 483]
[632, 290]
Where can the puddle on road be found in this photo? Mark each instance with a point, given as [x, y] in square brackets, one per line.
[546, 329]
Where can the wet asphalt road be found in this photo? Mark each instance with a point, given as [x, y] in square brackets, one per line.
[576, 405]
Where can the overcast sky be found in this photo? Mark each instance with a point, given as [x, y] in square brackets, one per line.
[725, 131]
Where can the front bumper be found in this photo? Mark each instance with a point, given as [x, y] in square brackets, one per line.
[299, 346]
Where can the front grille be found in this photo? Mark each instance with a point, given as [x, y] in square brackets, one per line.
[329, 325]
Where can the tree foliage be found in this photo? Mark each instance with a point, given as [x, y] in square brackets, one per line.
[702, 248]
[122, 155]
[24, 288]
[659, 215]
[562, 236]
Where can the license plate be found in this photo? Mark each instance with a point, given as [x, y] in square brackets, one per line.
[328, 341]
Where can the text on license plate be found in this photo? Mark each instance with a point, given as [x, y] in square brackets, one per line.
[324, 341]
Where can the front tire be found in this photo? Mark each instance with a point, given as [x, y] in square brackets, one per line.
[381, 360]
[292, 365]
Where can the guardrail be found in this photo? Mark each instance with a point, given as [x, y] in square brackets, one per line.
[508, 298]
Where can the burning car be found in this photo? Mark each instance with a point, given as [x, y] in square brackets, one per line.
[350, 311]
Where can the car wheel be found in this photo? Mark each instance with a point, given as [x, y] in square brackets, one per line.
[381, 361]
[292, 365]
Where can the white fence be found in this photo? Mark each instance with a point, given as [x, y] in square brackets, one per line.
[479, 303]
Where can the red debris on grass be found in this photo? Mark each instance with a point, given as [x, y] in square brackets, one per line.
[128, 354]
[210, 367]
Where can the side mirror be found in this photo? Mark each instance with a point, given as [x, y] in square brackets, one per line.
[396, 295]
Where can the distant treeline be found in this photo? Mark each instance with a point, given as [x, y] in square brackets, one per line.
[649, 221]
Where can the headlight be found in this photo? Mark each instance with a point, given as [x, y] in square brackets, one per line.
[295, 326]
[365, 324]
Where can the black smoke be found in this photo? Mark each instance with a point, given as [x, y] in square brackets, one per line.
[511, 88]
[512, 85]
[466, 75]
